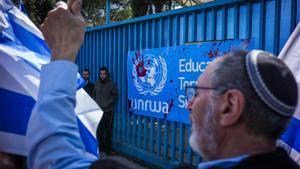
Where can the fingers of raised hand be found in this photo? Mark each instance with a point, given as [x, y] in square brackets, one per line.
[64, 30]
[44, 29]
[75, 7]
[61, 4]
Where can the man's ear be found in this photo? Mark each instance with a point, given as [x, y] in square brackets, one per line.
[232, 107]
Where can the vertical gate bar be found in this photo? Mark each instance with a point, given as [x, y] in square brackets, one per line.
[173, 144]
[158, 138]
[166, 136]
[139, 136]
[249, 20]
[152, 135]
[185, 29]
[294, 15]
[129, 133]
[194, 28]
[262, 24]
[204, 25]
[106, 39]
[124, 75]
[133, 136]
[236, 21]
[176, 31]
[145, 133]
[224, 23]
[168, 30]
[120, 86]
[181, 142]
[214, 26]
[147, 36]
[189, 149]
[277, 26]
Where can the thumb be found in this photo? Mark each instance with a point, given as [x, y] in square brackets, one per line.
[75, 7]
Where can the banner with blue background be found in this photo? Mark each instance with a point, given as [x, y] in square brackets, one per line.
[157, 77]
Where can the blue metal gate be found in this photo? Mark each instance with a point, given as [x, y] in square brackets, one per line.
[159, 142]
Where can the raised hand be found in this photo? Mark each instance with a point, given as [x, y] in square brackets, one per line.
[63, 30]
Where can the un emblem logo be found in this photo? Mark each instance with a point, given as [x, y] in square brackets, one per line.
[149, 73]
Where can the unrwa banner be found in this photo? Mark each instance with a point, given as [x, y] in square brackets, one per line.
[157, 77]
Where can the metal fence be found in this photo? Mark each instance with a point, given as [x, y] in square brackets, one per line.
[158, 142]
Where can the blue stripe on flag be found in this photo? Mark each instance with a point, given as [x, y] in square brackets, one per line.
[291, 135]
[15, 108]
[12, 119]
[80, 82]
[30, 40]
[88, 139]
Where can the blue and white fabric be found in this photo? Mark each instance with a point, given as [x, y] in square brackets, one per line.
[290, 54]
[22, 7]
[23, 51]
[54, 141]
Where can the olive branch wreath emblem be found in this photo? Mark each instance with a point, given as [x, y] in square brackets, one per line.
[161, 84]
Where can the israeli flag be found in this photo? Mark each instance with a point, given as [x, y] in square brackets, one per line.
[22, 53]
[290, 54]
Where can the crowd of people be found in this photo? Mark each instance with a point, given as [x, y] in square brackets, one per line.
[239, 106]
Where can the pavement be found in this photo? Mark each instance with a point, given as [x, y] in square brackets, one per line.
[124, 160]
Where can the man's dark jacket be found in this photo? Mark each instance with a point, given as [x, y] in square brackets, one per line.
[105, 94]
[274, 160]
[89, 88]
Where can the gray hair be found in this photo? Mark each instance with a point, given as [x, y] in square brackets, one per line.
[260, 120]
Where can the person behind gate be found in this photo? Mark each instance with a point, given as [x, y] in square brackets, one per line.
[89, 86]
[106, 94]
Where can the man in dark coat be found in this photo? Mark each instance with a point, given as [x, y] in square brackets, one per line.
[89, 87]
[105, 94]
[239, 108]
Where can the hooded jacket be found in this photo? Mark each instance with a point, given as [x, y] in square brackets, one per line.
[105, 94]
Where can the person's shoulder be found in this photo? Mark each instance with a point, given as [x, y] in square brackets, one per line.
[110, 81]
[275, 160]
[97, 81]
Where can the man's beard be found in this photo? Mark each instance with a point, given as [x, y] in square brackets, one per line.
[203, 140]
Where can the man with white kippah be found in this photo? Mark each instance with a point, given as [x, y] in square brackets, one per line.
[239, 108]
